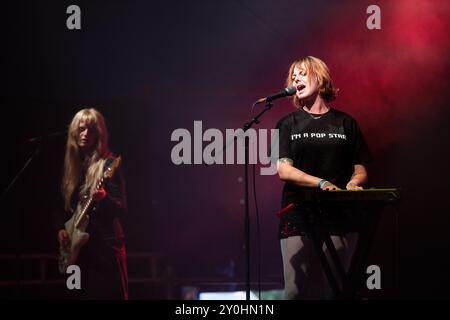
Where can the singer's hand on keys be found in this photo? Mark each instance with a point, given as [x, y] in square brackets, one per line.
[329, 186]
[353, 186]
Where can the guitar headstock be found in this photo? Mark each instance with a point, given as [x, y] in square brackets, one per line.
[109, 172]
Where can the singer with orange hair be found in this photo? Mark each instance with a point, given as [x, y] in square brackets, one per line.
[319, 147]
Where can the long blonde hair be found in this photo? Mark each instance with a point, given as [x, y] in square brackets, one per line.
[76, 164]
[315, 68]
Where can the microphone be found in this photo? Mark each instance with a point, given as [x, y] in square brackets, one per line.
[288, 91]
[44, 137]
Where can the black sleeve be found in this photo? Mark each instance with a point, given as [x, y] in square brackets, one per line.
[59, 217]
[284, 139]
[115, 202]
[360, 153]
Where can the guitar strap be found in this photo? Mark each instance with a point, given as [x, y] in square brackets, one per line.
[117, 226]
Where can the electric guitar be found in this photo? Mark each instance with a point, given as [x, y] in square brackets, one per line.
[77, 224]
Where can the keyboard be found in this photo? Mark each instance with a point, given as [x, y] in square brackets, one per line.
[388, 195]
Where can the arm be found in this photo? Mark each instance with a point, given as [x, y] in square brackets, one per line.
[59, 219]
[360, 155]
[288, 173]
[112, 197]
[358, 178]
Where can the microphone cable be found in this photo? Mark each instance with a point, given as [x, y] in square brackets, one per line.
[258, 227]
[258, 231]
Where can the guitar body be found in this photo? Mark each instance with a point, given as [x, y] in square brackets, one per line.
[78, 237]
[76, 226]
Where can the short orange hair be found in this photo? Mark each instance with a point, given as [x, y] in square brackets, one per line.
[317, 68]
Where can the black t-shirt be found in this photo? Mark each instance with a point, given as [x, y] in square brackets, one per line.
[325, 146]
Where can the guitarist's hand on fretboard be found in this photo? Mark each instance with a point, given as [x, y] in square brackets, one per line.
[99, 195]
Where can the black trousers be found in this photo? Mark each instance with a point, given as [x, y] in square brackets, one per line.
[103, 270]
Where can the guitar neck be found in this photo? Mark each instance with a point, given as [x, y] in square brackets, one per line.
[87, 205]
[107, 174]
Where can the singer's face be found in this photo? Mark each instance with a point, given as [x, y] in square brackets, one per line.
[305, 83]
[87, 135]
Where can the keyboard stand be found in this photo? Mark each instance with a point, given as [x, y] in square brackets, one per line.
[345, 285]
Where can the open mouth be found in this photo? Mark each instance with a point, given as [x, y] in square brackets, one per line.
[300, 87]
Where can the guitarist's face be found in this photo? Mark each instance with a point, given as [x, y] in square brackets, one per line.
[87, 135]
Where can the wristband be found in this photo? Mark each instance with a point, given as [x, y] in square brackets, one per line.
[321, 183]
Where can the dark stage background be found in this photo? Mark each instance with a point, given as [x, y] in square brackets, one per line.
[154, 66]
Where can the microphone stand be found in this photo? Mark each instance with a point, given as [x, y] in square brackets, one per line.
[18, 219]
[40, 140]
[247, 126]
[16, 177]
